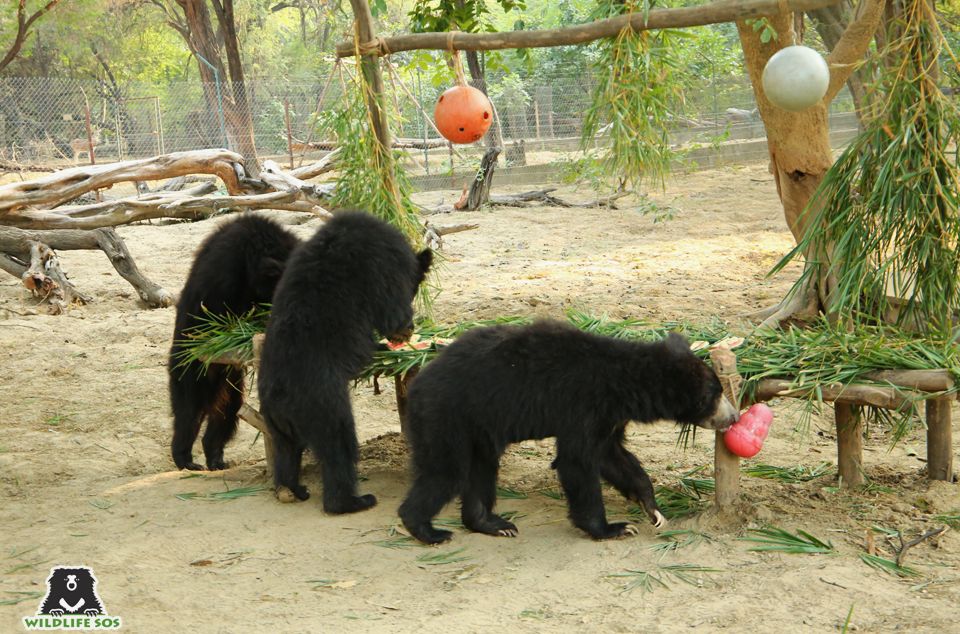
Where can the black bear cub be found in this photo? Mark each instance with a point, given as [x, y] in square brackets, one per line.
[357, 275]
[500, 385]
[236, 268]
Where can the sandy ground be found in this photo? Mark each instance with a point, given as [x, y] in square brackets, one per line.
[86, 477]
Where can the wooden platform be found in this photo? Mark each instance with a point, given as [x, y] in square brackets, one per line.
[905, 388]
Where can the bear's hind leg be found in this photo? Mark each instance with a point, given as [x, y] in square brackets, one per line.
[621, 468]
[480, 494]
[335, 442]
[427, 496]
[222, 419]
[580, 477]
[188, 401]
[287, 456]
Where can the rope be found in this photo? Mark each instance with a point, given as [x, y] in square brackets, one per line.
[455, 58]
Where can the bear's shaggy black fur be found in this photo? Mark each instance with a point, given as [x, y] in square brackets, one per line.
[357, 275]
[71, 591]
[235, 269]
[500, 385]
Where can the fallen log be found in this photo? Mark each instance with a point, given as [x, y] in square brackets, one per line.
[46, 279]
[18, 244]
[326, 164]
[54, 190]
[112, 213]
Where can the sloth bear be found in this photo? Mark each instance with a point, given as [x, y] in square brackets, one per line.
[235, 269]
[357, 275]
[499, 385]
[71, 591]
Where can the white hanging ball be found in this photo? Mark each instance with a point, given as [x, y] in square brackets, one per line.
[795, 78]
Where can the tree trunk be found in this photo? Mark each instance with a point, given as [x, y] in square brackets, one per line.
[799, 142]
[202, 40]
[246, 143]
[830, 23]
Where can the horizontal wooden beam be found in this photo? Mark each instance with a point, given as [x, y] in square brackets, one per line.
[886, 397]
[713, 13]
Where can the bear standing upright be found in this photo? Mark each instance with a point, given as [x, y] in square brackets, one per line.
[500, 385]
[357, 275]
[235, 269]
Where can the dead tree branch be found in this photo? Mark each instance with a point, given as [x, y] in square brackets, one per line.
[21, 245]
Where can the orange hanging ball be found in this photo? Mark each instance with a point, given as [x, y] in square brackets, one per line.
[463, 114]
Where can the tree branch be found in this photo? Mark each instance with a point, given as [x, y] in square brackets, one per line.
[657, 19]
[23, 29]
[853, 45]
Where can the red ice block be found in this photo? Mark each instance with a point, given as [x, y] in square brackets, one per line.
[745, 437]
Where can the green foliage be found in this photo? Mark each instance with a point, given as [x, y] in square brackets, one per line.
[807, 357]
[216, 335]
[223, 496]
[471, 16]
[887, 210]
[648, 581]
[637, 94]
[767, 31]
[888, 566]
[790, 475]
[363, 165]
[781, 541]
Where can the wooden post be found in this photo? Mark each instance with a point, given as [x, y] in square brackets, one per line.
[726, 465]
[401, 384]
[939, 442]
[286, 117]
[849, 445]
[254, 417]
[91, 153]
[365, 32]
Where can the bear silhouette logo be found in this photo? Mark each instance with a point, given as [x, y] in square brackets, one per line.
[71, 603]
[71, 591]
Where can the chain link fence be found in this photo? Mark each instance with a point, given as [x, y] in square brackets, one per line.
[52, 122]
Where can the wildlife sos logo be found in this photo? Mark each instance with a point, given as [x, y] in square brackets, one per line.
[71, 603]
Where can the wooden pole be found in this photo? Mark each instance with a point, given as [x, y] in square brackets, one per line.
[714, 13]
[726, 465]
[364, 31]
[91, 153]
[286, 117]
[849, 445]
[939, 442]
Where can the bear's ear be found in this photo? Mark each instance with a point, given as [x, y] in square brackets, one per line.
[425, 259]
[677, 343]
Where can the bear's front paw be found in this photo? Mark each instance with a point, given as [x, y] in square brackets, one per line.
[92, 612]
[216, 465]
[190, 466]
[56, 612]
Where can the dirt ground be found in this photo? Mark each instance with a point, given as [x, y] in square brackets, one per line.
[86, 477]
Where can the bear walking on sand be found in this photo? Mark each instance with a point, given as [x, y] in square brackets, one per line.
[235, 269]
[504, 384]
[357, 275]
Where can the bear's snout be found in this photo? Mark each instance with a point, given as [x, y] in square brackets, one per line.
[71, 582]
[724, 416]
